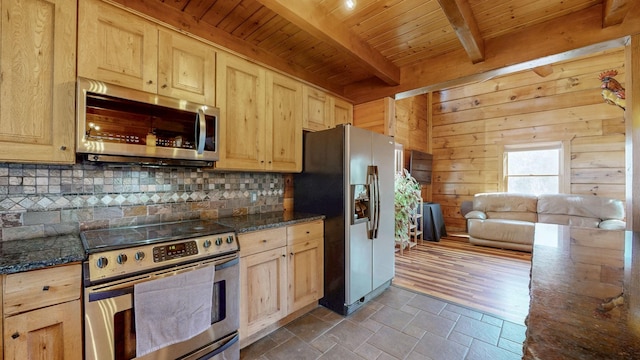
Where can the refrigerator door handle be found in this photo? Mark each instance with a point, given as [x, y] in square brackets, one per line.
[374, 188]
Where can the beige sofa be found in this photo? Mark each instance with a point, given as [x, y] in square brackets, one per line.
[506, 220]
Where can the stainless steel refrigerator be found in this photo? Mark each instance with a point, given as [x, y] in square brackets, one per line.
[348, 176]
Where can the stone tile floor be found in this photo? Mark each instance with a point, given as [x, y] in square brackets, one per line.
[398, 324]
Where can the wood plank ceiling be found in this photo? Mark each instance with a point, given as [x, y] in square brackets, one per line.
[384, 47]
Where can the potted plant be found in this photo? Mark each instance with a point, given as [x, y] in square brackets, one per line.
[407, 198]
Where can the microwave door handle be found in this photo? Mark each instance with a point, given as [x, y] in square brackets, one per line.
[201, 130]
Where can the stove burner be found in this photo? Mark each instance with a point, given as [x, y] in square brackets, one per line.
[124, 237]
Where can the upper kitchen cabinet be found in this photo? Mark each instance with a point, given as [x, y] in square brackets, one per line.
[317, 109]
[37, 81]
[284, 124]
[260, 110]
[323, 111]
[118, 47]
[342, 112]
[241, 98]
[186, 68]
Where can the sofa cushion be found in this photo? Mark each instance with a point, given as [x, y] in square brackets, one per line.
[510, 206]
[512, 231]
[578, 210]
[613, 225]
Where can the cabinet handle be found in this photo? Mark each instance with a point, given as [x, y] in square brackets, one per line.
[284, 255]
[308, 232]
[291, 254]
[63, 148]
[164, 86]
[150, 82]
[264, 240]
[45, 288]
[15, 335]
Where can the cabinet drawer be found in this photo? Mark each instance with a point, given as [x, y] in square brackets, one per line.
[258, 241]
[39, 288]
[305, 231]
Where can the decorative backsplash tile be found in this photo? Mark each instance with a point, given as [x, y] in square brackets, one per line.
[42, 200]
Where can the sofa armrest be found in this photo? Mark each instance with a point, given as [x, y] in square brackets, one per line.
[475, 214]
[613, 225]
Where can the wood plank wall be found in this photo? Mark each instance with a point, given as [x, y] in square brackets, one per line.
[472, 122]
[413, 131]
[407, 120]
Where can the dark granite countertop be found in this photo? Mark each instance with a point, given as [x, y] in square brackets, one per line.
[254, 222]
[31, 254]
[585, 294]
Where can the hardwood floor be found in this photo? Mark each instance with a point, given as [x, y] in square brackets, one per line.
[495, 281]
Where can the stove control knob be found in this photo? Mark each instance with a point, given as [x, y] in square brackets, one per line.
[102, 262]
[206, 243]
[229, 239]
[121, 259]
[218, 241]
[139, 256]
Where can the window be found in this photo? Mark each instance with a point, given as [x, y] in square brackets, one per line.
[533, 169]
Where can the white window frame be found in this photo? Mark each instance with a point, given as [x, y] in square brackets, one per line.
[564, 173]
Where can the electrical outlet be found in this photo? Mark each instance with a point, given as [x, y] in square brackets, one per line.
[254, 197]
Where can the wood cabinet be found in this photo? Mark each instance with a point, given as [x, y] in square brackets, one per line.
[37, 87]
[323, 111]
[261, 111]
[42, 314]
[281, 271]
[263, 279]
[317, 112]
[284, 123]
[342, 112]
[305, 246]
[122, 48]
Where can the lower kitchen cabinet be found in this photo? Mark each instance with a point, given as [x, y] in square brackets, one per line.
[264, 279]
[42, 314]
[281, 272]
[305, 246]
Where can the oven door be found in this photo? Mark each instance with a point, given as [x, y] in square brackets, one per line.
[110, 327]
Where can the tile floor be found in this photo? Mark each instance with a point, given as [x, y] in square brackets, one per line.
[398, 324]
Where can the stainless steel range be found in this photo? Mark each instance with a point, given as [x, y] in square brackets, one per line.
[145, 288]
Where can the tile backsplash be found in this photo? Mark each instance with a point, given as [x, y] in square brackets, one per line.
[45, 200]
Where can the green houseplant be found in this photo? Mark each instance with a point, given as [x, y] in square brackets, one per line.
[407, 198]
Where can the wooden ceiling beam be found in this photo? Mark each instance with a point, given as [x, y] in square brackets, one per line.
[464, 24]
[559, 39]
[317, 21]
[614, 11]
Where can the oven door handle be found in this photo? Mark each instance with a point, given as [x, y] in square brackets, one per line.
[227, 264]
[108, 294]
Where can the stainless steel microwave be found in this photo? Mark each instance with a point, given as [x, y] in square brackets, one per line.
[118, 124]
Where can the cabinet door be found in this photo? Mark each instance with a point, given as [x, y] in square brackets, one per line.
[186, 68]
[49, 333]
[263, 290]
[342, 112]
[116, 46]
[283, 123]
[241, 96]
[306, 281]
[37, 87]
[316, 113]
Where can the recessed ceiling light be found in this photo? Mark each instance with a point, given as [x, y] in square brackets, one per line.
[350, 4]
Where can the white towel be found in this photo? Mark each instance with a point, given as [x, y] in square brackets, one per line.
[172, 309]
